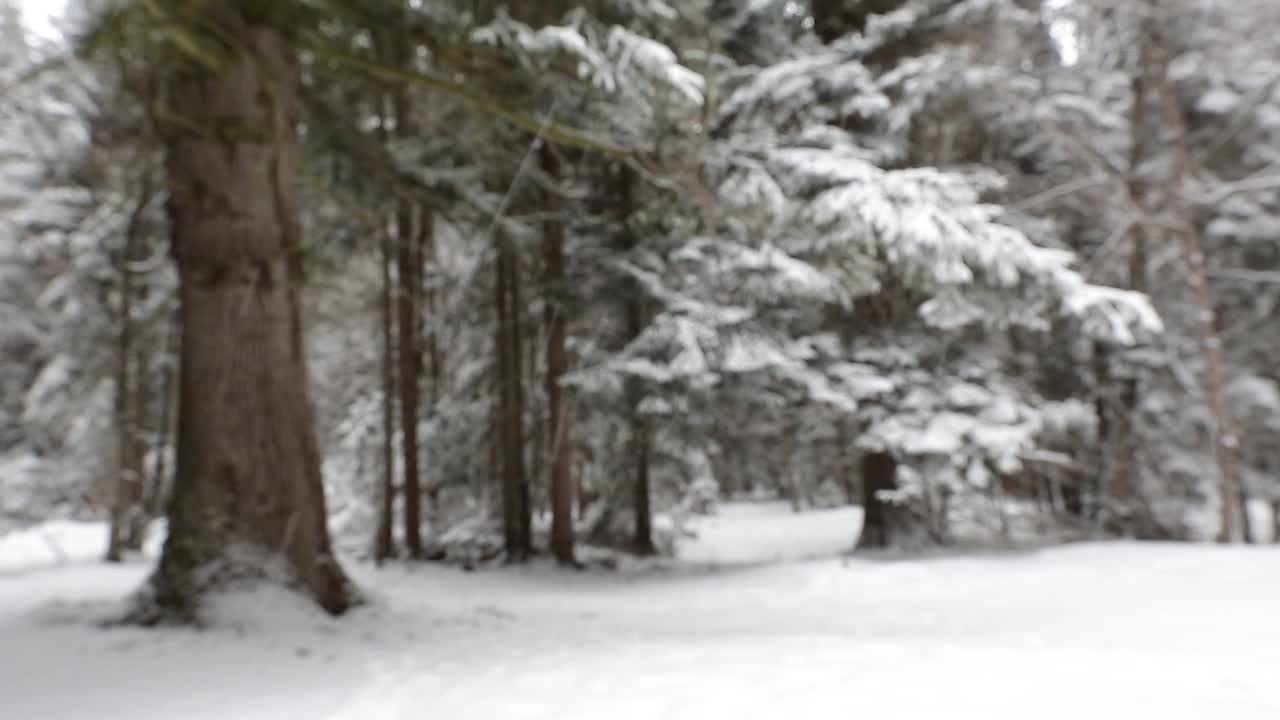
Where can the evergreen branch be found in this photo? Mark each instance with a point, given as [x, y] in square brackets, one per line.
[560, 135]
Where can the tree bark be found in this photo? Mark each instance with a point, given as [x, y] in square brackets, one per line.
[409, 262]
[557, 361]
[881, 519]
[1122, 503]
[384, 541]
[408, 376]
[1233, 520]
[158, 487]
[642, 543]
[641, 440]
[428, 357]
[137, 516]
[790, 483]
[516, 456]
[127, 501]
[516, 521]
[248, 500]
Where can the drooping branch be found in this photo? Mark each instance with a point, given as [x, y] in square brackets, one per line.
[558, 134]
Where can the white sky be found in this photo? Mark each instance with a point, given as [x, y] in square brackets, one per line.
[1063, 31]
[40, 16]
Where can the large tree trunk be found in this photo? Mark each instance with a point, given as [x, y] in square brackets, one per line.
[561, 482]
[248, 500]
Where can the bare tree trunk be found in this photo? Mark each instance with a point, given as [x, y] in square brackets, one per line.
[428, 358]
[558, 421]
[1119, 507]
[581, 490]
[642, 543]
[435, 360]
[790, 484]
[384, 541]
[128, 512]
[125, 492]
[844, 472]
[158, 487]
[641, 439]
[516, 521]
[1121, 504]
[881, 520]
[136, 517]
[1233, 520]
[496, 442]
[248, 498]
[408, 376]
[409, 263]
[516, 450]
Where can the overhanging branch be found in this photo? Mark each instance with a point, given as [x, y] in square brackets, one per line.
[554, 133]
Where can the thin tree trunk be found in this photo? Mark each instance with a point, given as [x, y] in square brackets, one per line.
[409, 262]
[502, 379]
[125, 481]
[159, 484]
[790, 483]
[515, 450]
[384, 541]
[643, 543]
[1233, 520]
[384, 535]
[248, 498]
[579, 487]
[641, 440]
[515, 489]
[557, 361]
[435, 361]
[428, 360]
[844, 472]
[136, 518]
[408, 376]
[127, 509]
[1118, 406]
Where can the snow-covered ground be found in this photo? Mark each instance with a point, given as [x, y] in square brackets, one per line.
[751, 533]
[1087, 631]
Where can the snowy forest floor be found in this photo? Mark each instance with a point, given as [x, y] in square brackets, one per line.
[1103, 630]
